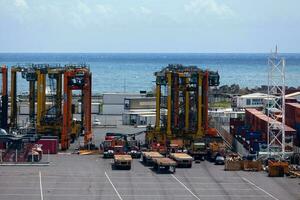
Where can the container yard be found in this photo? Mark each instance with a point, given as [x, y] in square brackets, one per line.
[61, 154]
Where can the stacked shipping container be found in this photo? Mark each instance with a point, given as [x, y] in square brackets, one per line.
[250, 139]
[258, 121]
[292, 119]
[253, 132]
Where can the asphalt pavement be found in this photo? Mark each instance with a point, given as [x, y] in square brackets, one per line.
[72, 177]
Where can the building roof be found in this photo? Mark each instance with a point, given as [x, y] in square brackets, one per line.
[255, 95]
[297, 105]
[292, 94]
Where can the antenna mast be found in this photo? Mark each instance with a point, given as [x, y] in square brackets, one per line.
[276, 105]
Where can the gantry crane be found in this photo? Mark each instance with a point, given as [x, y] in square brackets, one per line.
[28, 73]
[4, 99]
[185, 99]
[76, 78]
[13, 95]
[49, 117]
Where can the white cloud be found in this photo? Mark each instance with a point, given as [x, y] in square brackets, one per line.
[208, 7]
[82, 7]
[145, 10]
[104, 9]
[141, 10]
[21, 3]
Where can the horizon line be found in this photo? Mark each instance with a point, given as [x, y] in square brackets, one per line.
[135, 52]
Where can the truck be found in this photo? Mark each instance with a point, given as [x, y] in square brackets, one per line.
[216, 149]
[165, 164]
[128, 141]
[122, 162]
[112, 147]
[182, 159]
[133, 149]
[198, 151]
[148, 156]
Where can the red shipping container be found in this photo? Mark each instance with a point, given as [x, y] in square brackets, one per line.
[289, 111]
[2, 145]
[293, 111]
[49, 146]
[297, 115]
[290, 100]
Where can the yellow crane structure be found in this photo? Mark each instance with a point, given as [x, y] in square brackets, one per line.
[49, 117]
[50, 95]
[28, 73]
[183, 93]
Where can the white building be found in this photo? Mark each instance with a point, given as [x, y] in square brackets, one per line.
[254, 100]
[139, 111]
[113, 103]
[142, 117]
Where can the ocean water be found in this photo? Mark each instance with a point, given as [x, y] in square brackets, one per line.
[132, 72]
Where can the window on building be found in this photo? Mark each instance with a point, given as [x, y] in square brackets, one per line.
[257, 101]
[248, 101]
[126, 104]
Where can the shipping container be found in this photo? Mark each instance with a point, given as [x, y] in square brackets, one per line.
[293, 111]
[2, 145]
[24, 109]
[259, 122]
[49, 145]
[253, 135]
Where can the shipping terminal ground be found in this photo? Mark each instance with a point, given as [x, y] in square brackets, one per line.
[72, 176]
[169, 143]
[91, 177]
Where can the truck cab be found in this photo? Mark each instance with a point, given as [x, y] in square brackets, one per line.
[199, 151]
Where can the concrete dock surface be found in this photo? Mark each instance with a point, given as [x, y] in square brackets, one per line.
[72, 177]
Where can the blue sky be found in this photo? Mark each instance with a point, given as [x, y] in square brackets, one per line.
[149, 25]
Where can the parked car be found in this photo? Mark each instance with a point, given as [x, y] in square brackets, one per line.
[220, 160]
[96, 122]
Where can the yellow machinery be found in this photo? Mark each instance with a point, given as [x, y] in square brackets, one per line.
[49, 117]
[181, 92]
[46, 100]
[28, 73]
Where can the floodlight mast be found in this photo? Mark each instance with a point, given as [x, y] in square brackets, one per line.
[276, 105]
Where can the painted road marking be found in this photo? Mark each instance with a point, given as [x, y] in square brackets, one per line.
[113, 186]
[138, 195]
[185, 186]
[41, 186]
[270, 195]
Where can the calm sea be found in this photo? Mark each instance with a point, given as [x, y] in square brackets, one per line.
[132, 72]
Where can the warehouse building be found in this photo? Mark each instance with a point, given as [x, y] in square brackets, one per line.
[139, 111]
[113, 103]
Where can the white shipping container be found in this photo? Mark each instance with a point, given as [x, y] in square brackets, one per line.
[24, 110]
[113, 109]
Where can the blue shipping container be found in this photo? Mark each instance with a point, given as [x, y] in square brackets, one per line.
[253, 135]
